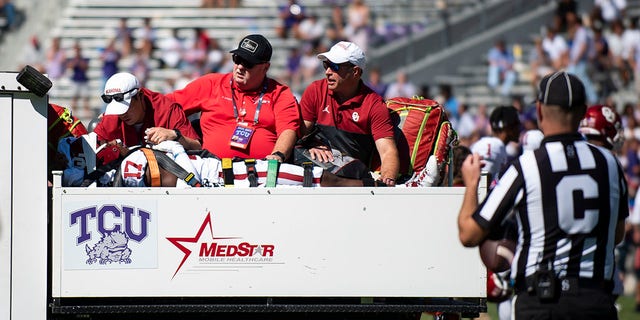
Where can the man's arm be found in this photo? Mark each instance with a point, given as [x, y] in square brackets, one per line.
[284, 144]
[156, 135]
[469, 232]
[322, 153]
[390, 160]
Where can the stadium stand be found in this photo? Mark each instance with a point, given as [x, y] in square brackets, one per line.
[435, 41]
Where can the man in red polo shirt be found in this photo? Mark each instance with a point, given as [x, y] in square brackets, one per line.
[238, 110]
[138, 116]
[351, 119]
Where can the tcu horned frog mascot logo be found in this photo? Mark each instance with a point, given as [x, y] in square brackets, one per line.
[116, 227]
[111, 248]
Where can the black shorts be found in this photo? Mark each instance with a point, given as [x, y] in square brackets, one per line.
[577, 303]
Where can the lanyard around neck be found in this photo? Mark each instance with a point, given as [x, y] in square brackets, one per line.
[235, 107]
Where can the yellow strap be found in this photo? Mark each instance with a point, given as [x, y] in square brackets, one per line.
[227, 171]
[153, 167]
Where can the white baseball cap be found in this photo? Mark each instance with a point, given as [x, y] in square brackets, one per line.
[345, 51]
[120, 86]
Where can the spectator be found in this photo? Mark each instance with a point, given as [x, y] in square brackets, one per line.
[634, 62]
[171, 49]
[293, 74]
[311, 30]
[616, 49]
[124, 37]
[483, 126]
[140, 68]
[449, 101]
[33, 55]
[402, 87]
[602, 65]
[351, 119]
[11, 15]
[244, 103]
[608, 11]
[137, 116]
[501, 71]
[79, 65]
[335, 29]
[466, 125]
[146, 37]
[216, 57]
[375, 82]
[556, 47]
[539, 62]
[309, 65]
[581, 47]
[202, 36]
[630, 38]
[194, 58]
[560, 16]
[110, 58]
[291, 15]
[56, 60]
[357, 28]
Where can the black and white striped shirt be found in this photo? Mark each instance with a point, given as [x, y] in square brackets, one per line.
[567, 197]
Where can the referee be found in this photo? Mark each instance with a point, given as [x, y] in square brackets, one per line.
[570, 202]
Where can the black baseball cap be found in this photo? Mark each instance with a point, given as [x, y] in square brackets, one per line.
[503, 117]
[254, 48]
[562, 89]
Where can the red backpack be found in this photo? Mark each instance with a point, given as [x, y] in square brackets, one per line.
[422, 129]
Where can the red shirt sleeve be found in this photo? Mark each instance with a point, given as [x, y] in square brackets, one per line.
[191, 97]
[287, 111]
[170, 115]
[381, 125]
[311, 100]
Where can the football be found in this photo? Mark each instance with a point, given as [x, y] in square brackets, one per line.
[497, 254]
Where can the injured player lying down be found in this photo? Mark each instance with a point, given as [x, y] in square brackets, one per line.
[136, 170]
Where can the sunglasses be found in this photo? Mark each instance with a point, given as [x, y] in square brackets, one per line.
[117, 97]
[334, 66]
[239, 60]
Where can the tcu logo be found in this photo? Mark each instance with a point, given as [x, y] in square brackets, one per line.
[122, 220]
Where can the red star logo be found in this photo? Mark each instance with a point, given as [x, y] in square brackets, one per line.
[187, 252]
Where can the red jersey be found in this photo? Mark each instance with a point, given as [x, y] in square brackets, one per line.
[351, 127]
[159, 112]
[211, 95]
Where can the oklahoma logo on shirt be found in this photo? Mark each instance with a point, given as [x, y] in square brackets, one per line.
[355, 116]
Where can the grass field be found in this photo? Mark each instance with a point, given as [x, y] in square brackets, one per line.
[627, 309]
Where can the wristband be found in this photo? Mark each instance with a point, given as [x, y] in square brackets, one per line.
[279, 154]
[178, 134]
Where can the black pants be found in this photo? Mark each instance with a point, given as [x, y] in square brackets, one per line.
[577, 303]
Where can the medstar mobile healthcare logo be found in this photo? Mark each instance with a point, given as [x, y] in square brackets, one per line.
[228, 251]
